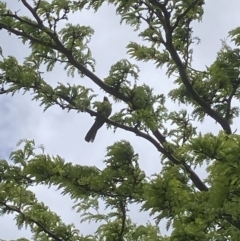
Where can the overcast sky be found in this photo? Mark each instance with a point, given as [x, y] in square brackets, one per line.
[63, 133]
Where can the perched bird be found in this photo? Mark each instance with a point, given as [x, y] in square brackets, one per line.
[105, 111]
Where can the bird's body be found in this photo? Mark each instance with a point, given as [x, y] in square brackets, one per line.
[99, 121]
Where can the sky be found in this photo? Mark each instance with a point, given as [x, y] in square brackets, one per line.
[63, 133]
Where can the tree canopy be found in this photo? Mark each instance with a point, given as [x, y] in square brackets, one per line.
[195, 209]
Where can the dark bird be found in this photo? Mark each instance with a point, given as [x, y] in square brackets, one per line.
[105, 111]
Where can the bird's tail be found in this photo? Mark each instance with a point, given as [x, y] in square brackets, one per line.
[93, 131]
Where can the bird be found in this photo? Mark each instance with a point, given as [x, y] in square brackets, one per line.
[105, 110]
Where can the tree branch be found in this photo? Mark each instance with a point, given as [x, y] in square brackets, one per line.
[192, 175]
[17, 210]
[181, 16]
[123, 211]
[185, 79]
[33, 11]
[182, 70]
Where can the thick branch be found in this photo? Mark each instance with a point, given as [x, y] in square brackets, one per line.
[59, 47]
[182, 69]
[123, 216]
[192, 175]
[196, 97]
[33, 11]
[181, 16]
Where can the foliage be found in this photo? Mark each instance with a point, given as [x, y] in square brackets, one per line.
[195, 209]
